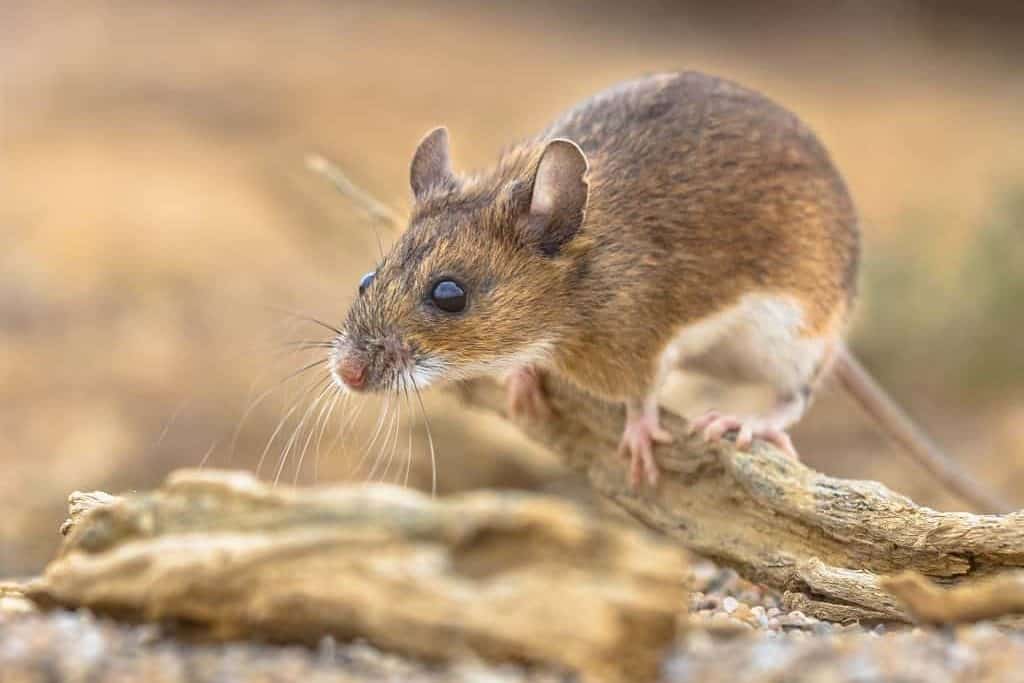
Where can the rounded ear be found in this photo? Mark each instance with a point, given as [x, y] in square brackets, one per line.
[431, 166]
[559, 198]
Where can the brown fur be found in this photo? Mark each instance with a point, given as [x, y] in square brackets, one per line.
[700, 191]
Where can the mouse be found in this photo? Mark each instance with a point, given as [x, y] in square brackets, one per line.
[678, 221]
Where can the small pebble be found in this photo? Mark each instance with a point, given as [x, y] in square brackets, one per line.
[822, 628]
[730, 604]
[710, 602]
[758, 614]
[720, 619]
[740, 623]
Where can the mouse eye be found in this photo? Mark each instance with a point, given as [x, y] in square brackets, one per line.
[448, 295]
[366, 280]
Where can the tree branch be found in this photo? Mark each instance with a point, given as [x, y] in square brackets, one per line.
[823, 541]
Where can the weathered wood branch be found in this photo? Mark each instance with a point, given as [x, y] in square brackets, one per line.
[824, 541]
[988, 598]
[508, 577]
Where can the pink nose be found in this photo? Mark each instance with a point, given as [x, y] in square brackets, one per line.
[352, 372]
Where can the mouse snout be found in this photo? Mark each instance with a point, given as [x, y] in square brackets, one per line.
[368, 363]
[351, 371]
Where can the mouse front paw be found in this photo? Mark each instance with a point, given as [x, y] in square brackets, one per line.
[525, 394]
[642, 431]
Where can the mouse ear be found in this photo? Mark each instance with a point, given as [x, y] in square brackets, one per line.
[431, 166]
[559, 197]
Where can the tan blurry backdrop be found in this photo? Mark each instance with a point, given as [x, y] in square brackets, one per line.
[158, 227]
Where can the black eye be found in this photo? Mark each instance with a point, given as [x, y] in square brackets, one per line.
[366, 280]
[448, 295]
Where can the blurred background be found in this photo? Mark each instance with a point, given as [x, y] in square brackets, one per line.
[161, 241]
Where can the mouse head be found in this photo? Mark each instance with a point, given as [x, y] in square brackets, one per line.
[481, 279]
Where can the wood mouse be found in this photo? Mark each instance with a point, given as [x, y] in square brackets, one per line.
[675, 221]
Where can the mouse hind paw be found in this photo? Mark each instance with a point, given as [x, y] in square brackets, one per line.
[714, 426]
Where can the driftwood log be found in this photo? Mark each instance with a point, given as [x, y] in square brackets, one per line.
[824, 541]
[503, 576]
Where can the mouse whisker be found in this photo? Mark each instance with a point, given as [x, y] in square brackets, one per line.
[381, 417]
[348, 420]
[289, 349]
[408, 424]
[324, 400]
[297, 431]
[389, 432]
[393, 440]
[281, 423]
[325, 424]
[375, 453]
[259, 400]
[209, 452]
[307, 344]
[301, 316]
[394, 444]
[378, 454]
[430, 438]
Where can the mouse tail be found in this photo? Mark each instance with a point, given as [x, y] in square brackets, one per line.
[899, 427]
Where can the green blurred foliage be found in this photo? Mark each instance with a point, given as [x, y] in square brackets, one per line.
[950, 320]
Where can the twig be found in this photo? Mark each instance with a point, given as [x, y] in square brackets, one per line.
[373, 208]
[898, 426]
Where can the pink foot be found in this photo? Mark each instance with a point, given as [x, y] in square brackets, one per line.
[638, 438]
[525, 395]
[715, 426]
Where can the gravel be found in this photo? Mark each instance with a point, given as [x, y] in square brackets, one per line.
[736, 631]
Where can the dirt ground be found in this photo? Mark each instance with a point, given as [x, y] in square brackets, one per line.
[162, 237]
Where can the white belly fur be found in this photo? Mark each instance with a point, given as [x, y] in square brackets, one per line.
[761, 339]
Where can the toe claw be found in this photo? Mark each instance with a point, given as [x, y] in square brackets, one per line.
[714, 426]
[652, 476]
[717, 429]
[701, 423]
[782, 441]
[640, 435]
[635, 473]
[745, 437]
